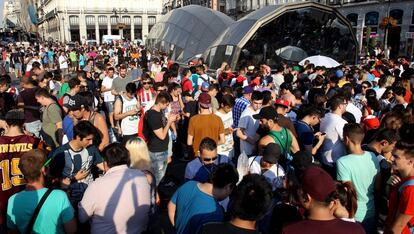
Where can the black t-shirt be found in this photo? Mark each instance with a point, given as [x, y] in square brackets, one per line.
[336, 226]
[224, 228]
[155, 120]
[31, 106]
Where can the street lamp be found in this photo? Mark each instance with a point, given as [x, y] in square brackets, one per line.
[64, 30]
[118, 14]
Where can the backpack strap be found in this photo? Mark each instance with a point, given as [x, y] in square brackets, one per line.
[29, 228]
[404, 185]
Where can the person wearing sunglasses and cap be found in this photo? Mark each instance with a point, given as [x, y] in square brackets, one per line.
[199, 169]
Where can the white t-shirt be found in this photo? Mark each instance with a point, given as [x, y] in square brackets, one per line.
[275, 175]
[227, 147]
[333, 147]
[380, 92]
[250, 125]
[63, 62]
[107, 82]
[355, 111]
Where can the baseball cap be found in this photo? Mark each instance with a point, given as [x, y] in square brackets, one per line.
[75, 103]
[205, 86]
[317, 183]
[339, 73]
[247, 90]
[267, 112]
[14, 115]
[271, 153]
[204, 100]
[282, 102]
[371, 122]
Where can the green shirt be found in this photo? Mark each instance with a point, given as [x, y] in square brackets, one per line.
[55, 212]
[283, 138]
[361, 170]
[63, 89]
[73, 56]
[52, 115]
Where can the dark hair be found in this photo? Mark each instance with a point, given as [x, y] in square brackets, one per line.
[319, 80]
[407, 139]
[73, 82]
[89, 100]
[346, 194]
[336, 101]
[213, 87]
[185, 71]
[111, 68]
[163, 97]
[131, 88]
[251, 199]
[116, 154]
[223, 175]
[42, 92]
[354, 132]
[227, 100]
[400, 91]
[389, 135]
[83, 129]
[207, 144]
[286, 86]
[257, 95]
[173, 86]
[267, 97]
[309, 110]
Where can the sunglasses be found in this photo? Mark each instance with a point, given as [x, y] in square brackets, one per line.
[209, 159]
[146, 83]
[364, 87]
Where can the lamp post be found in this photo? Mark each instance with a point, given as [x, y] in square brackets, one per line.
[64, 30]
[118, 14]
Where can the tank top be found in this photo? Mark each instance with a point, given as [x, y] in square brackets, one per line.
[283, 139]
[129, 124]
[175, 106]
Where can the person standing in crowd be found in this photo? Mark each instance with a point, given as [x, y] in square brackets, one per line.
[318, 198]
[362, 169]
[240, 105]
[73, 56]
[247, 126]
[200, 169]
[72, 163]
[119, 83]
[277, 134]
[197, 131]
[127, 111]
[156, 127]
[308, 117]
[146, 94]
[195, 204]
[250, 201]
[52, 131]
[27, 101]
[56, 214]
[109, 98]
[226, 115]
[7, 101]
[128, 216]
[13, 144]
[63, 63]
[400, 217]
[268, 165]
[333, 124]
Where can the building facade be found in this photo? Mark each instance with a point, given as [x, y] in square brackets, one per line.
[80, 20]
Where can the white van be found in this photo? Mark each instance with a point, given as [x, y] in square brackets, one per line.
[109, 39]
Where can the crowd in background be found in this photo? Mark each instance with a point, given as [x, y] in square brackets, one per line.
[88, 133]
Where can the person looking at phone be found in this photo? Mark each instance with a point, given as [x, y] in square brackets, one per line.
[309, 116]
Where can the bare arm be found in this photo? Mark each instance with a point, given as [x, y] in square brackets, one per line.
[399, 224]
[190, 140]
[221, 139]
[171, 212]
[295, 145]
[161, 133]
[101, 125]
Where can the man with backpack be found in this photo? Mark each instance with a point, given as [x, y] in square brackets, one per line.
[401, 203]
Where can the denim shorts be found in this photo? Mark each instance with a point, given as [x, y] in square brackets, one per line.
[158, 164]
[109, 106]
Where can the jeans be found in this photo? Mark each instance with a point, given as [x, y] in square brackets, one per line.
[34, 127]
[158, 164]
[369, 225]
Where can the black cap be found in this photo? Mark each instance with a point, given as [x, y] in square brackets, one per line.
[271, 153]
[267, 112]
[75, 103]
[15, 114]
[302, 160]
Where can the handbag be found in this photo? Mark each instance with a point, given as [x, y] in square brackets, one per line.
[29, 227]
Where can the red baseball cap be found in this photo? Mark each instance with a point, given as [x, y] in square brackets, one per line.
[317, 183]
[282, 102]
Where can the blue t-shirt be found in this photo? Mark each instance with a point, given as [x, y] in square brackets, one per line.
[67, 126]
[55, 212]
[305, 133]
[194, 208]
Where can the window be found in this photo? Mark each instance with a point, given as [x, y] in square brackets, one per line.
[353, 18]
[412, 17]
[371, 18]
[398, 15]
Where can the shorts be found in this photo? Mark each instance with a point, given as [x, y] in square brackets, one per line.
[109, 106]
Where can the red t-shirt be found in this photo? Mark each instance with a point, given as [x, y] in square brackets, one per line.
[187, 85]
[403, 202]
[11, 149]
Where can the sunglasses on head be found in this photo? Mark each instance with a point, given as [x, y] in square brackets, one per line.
[209, 159]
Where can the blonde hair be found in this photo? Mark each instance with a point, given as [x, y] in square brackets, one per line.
[138, 153]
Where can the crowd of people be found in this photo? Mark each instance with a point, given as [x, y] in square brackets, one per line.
[88, 134]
